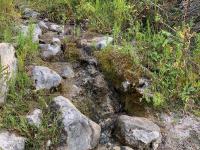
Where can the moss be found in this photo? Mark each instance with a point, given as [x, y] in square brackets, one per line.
[118, 66]
[84, 106]
[71, 52]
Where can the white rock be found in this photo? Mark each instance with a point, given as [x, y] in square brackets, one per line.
[126, 85]
[43, 25]
[56, 28]
[35, 117]
[67, 72]
[50, 50]
[48, 144]
[29, 13]
[37, 32]
[138, 132]
[56, 41]
[81, 133]
[97, 42]
[10, 141]
[45, 78]
[8, 63]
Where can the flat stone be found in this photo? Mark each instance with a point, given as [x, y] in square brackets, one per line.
[9, 141]
[34, 118]
[181, 132]
[67, 72]
[43, 25]
[29, 13]
[97, 42]
[8, 63]
[45, 78]
[80, 133]
[56, 28]
[138, 132]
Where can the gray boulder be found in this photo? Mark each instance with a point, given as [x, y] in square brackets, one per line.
[45, 78]
[43, 25]
[29, 13]
[137, 132]
[9, 141]
[8, 67]
[80, 133]
[56, 28]
[97, 42]
[34, 118]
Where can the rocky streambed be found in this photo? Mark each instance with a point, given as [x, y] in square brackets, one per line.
[92, 114]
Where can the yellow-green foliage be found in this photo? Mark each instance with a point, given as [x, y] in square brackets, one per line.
[22, 99]
[165, 57]
[8, 16]
[119, 65]
[71, 52]
[55, 10]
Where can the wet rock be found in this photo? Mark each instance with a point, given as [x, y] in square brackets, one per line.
[56, 28]
[181, 132]
[9, 141]
[137, 132]
[97, 42]
[8, 68]
[45, 78]
[51, 50]
[67, 72]
[29, 13]
[37, 32]
[35, 117]
[80, 133]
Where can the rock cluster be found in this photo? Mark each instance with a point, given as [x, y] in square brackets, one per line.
[45, 78]
[80, 132]
[8, 67]
[90, 117]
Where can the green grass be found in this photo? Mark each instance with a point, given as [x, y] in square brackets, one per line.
[8, 19]
[22, 99]
[164, 50]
